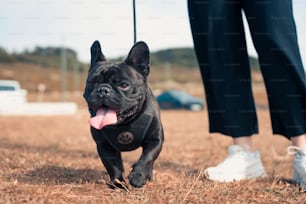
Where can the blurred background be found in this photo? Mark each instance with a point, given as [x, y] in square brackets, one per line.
[44, 44]
[44, 58]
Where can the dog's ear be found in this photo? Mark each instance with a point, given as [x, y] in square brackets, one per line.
[139, 58]
[96, 53]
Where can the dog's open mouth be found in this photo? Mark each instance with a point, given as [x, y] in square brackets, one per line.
[104, 116]
[107, 116]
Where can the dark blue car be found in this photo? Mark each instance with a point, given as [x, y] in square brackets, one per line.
[179, 100]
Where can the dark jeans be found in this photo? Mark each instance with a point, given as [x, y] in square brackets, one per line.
[219, 42]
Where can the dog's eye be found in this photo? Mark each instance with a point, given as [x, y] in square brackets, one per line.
[124, 86]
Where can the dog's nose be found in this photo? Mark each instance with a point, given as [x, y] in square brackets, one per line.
[104, 91]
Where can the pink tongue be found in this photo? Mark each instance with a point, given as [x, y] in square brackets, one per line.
[103, 117]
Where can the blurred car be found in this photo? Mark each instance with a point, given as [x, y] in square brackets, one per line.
[11, 93]
[13, 101]
[175, 99]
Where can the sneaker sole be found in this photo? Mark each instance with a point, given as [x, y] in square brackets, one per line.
[254, 173]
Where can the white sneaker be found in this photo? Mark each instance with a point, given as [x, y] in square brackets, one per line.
[239, 165]
[299, 165]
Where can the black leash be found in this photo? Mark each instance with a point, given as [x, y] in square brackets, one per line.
[134, 21]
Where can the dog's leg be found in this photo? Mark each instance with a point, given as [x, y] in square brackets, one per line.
[112, 161]
[143, 169]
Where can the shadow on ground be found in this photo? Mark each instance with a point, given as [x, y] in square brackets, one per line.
[59, 175]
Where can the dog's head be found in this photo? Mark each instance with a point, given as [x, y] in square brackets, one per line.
[118, 86]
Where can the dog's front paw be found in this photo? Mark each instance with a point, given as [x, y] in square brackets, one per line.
[137, 179]
[139, 176]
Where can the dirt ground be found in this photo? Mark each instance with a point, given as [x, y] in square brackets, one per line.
[52, 159]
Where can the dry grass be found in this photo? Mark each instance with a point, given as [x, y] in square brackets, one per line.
[54, 160]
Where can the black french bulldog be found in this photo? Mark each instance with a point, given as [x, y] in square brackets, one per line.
[125, 114]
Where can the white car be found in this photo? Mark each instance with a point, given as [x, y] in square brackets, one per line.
[13, 101]
[11, 93]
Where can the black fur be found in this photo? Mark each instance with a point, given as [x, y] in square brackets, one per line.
[122, 86]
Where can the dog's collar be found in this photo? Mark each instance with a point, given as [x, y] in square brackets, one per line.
[127, 137]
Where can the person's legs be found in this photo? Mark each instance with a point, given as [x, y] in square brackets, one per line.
[220, 46]
[244, 142]
[278, 50]
[299, 141]
[274, 36]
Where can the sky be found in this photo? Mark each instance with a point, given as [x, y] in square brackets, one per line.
[163, 24]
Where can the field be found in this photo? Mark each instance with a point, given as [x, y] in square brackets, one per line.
[52, 159]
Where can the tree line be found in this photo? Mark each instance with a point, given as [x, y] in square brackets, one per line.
[51, 57]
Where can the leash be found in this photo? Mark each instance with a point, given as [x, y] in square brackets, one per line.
[134, 21]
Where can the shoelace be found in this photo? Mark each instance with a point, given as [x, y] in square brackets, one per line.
[291, 150]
